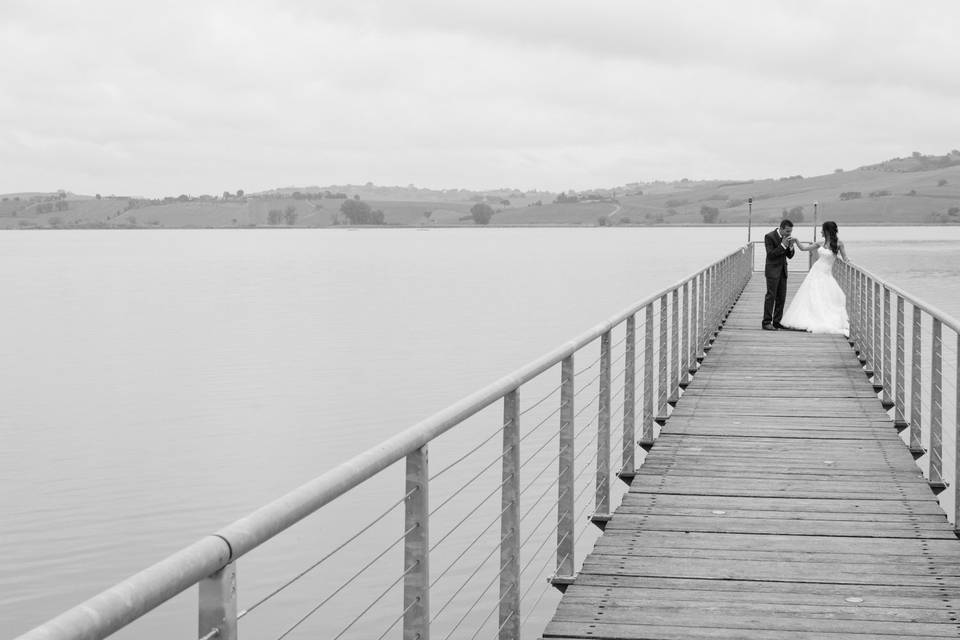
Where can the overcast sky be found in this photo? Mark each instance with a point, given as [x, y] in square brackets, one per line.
[201, 96]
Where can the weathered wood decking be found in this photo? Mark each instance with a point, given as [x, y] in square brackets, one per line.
[778, 502]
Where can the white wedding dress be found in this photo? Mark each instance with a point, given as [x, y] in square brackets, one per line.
[819, 306]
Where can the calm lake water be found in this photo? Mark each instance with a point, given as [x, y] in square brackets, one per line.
[158, 385]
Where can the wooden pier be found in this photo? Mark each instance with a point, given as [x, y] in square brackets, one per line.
[778, 502]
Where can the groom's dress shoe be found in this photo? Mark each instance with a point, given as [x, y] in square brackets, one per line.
[777, 325]
[769, 327]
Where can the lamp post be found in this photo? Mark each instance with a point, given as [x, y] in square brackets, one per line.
[813, 254]
[749, 217]
[815, 205]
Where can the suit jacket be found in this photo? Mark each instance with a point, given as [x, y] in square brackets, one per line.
[776, 264]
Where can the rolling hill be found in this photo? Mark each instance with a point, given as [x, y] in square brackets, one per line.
[915, 190]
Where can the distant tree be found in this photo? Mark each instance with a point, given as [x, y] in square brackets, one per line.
[850, 195]
[941, 182]
[290, 215]
[55, 221]
[239, 193]
[274, 216]
[62, 205]
[226, 195]
[838, 170]
[481, 213]
[953, 211]
[709, 214]
[427, 214]
[916, 154]
[794, 214]
[505, 203]
[98, 196]
[359, 212]
[603, 221]
[912, 192]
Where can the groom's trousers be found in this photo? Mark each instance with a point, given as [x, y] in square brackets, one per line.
[775, 299]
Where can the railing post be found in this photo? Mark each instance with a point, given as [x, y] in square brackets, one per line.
[711, 306]
[602, 502]
[705, 315]
[936, 407]
[673, 375]
[916, 372]
[646, 426]
[730, 283]
[956, 448]
[856, 309]
[868, 323]
[887, 378]
[687, 356]
[218, 604]
[416, 548]
[628, 469]
[565, 488]
[694, 343]
[510, 521]
[899, 403]
[662, 380]
[878, 340]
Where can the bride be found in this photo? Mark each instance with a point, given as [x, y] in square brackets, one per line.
[820, 306]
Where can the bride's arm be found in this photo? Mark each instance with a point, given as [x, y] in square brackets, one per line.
[807, 246]
[843, 252]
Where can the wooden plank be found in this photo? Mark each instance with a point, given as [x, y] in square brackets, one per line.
[778, 502]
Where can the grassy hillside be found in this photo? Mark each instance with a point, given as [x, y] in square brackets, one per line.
[915, 190]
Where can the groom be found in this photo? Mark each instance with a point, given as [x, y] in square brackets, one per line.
[779, 245]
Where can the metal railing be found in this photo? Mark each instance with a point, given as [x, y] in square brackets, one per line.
[664, 336]
[910, 361]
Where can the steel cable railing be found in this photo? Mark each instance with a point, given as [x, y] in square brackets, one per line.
[343, 586]
[470, 514]
[531, 535]
[456, 462]
[465, 583]
[329, 555]
[468, 548]
[906, 347]
[380, 597]
[540, 401]
[657, 342]
[397, 620]
[476, 602]
[466, 484]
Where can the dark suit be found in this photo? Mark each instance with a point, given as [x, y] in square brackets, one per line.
[775, 271]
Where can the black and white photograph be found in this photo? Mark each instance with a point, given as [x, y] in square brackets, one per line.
[420, 320]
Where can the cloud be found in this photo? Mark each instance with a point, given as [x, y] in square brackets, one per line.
[184, 97]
